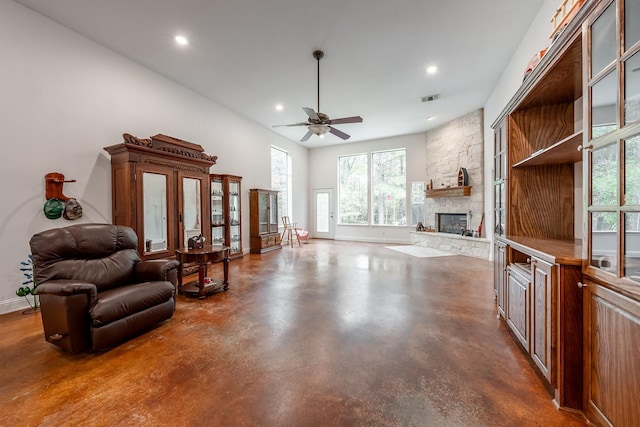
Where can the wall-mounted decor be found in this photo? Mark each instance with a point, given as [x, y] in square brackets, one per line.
[57, 203]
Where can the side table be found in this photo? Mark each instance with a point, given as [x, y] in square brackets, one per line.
[204, 256]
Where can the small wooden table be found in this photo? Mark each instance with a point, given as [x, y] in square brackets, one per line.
[203, 256]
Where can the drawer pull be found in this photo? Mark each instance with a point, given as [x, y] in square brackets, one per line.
[581, 285]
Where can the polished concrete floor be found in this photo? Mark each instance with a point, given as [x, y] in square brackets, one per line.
[327, 334]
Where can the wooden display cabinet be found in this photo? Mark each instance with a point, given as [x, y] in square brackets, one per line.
[160, 188]
[226, 214]
[264, 221]
[536, 176]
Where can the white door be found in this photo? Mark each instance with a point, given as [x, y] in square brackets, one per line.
[323, 214]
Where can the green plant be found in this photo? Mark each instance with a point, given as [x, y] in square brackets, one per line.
[25, 290]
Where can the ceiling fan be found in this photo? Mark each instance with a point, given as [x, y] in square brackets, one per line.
[319, 123]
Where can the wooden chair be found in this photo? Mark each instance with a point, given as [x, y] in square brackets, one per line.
[289, 230]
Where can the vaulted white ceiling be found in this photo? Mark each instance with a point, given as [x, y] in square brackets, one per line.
[250, 55]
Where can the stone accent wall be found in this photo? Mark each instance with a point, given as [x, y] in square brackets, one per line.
[459, 143]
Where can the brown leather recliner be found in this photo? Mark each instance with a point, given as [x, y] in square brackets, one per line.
[94, 290]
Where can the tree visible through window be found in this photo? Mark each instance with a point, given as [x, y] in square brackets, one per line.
[352, 182]
[389, 187]
[281, 179]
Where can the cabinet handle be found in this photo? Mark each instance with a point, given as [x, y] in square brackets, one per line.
[581, 285]
[528, 260]
[588, 147]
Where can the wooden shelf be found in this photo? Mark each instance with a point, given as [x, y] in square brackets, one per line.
[461, 191]
[562, 152]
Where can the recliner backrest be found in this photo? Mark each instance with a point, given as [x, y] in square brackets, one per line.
[102, 254]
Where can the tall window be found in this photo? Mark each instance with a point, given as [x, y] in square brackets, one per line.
[352, 190]
[281, 179]
[389, 187]
[417, 203]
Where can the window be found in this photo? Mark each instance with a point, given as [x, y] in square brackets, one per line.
[281, 179]
[389, 187]
[417, 203]
[352, 190]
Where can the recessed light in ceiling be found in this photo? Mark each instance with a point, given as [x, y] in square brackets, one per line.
[279, 107]
[431, 118]
[181, 40]
[432, 69]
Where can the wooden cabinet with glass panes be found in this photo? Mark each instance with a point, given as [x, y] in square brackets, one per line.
[537, 214]
[160, 188]
[573, 212]
[263, 210]
[612, 205]
[226, 227]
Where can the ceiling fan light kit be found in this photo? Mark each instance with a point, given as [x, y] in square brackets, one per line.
[319, 123]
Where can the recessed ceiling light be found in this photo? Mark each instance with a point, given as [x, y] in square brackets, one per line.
[431, 118]
[279, 107]
[181, 40]
[432, 69]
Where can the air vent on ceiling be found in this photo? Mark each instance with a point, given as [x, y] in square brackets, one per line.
[430, 98]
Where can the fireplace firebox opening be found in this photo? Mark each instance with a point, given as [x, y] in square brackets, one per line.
[454, 223]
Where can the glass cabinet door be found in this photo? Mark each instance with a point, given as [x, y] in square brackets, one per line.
[263, 212]
[499, 179]
[154, 212]
[234, 217]
[614, 152]
[631, 223]
[273, 212]
[217, 212]
[191, 209]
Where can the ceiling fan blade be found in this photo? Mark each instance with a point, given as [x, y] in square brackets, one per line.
[306, 136]
[311, 113]
[292, 124]
[354, 119]
[338, 133]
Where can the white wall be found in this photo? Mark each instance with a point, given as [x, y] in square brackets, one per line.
[324, 174]
[536, 39]
[63, 98]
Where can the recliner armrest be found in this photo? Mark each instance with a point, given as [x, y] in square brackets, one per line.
[156, 269]
[64, 287]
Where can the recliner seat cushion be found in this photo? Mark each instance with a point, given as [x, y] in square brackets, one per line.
[118, 303]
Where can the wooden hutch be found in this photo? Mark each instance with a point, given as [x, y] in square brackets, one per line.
[263, 205]
[160, 188]
[567, 214]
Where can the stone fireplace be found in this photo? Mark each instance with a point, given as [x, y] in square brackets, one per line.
[454, 145]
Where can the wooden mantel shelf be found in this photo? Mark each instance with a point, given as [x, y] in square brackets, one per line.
[461, 191]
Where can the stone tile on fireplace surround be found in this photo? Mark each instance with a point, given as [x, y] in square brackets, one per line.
[476, 247]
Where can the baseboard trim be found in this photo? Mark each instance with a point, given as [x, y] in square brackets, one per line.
[13, 304]
[372, 240]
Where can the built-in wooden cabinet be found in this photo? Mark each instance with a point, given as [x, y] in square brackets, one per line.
[160, 188]
[536, 173]
[572, 213]
[264, 219]
[226, 213]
